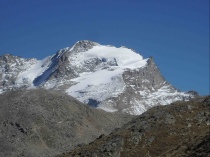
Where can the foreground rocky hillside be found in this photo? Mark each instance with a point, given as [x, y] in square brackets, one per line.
[102, 76]
[180, 129]
[40, 123]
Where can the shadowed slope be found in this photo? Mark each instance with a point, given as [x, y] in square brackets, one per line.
[179, 129]
[45, 123]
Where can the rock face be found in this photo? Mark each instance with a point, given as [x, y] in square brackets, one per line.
[10, 67]
[38, 122]
[179, 129]
[106, 77]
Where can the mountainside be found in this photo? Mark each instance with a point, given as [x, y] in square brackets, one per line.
[40, 123]
[179, 130]
[106, 77]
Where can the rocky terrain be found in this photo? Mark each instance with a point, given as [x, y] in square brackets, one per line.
[180, 129]
[40, 123]
[102, 76]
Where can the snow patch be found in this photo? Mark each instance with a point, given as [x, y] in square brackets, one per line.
[98, 85]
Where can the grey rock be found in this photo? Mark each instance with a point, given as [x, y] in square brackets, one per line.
[156, 137]
[45, 123]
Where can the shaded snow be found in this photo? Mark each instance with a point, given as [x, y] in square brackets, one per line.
[162, 96]
[32, 72]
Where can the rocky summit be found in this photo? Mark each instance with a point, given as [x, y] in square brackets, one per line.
[42, 123]
[102, 76]
[181, 129]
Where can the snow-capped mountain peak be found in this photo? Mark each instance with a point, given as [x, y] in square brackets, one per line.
[103, 76]
[83, 45]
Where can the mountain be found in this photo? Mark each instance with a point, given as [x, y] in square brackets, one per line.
[40, 123]
[102, 76]
[180, 129]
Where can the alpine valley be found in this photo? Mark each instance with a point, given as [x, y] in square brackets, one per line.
[102, 76]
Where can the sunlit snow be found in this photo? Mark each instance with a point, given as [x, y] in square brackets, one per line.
[103, 83]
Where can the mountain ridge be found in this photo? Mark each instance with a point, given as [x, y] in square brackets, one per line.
[178, 129]
[40, 122]
[104, 76]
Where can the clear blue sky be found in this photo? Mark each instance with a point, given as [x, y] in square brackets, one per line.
[174, 32]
